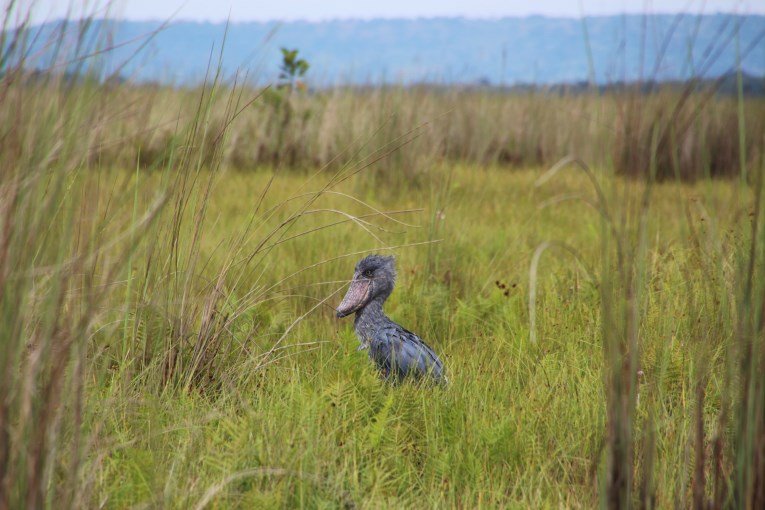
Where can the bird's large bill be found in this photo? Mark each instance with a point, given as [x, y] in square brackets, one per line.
[355, 298]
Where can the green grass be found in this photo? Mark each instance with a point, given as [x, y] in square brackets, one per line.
[520, 424]
[167, 336]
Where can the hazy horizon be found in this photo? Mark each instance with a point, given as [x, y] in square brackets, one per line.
[538, 50]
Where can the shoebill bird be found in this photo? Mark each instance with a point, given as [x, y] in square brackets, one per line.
[397, 352]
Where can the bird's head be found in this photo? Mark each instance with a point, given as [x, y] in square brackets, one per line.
[373, 278]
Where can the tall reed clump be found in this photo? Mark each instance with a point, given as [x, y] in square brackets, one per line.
[69, 234]
[55, 270]
[724, 315]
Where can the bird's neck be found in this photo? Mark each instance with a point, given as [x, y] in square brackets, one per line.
[370, 317]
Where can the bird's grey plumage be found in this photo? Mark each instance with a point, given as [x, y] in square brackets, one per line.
[397, 352]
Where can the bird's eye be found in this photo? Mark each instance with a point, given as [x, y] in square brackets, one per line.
[368, 273]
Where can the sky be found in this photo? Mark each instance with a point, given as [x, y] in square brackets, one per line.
[264, 10]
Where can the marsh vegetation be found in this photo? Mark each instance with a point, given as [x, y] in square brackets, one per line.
[169, 261]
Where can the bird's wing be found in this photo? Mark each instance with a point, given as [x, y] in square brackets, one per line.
[407, 351]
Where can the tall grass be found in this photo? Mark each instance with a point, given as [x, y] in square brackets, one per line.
[104, 287]
[54, 276]
[308, 130]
